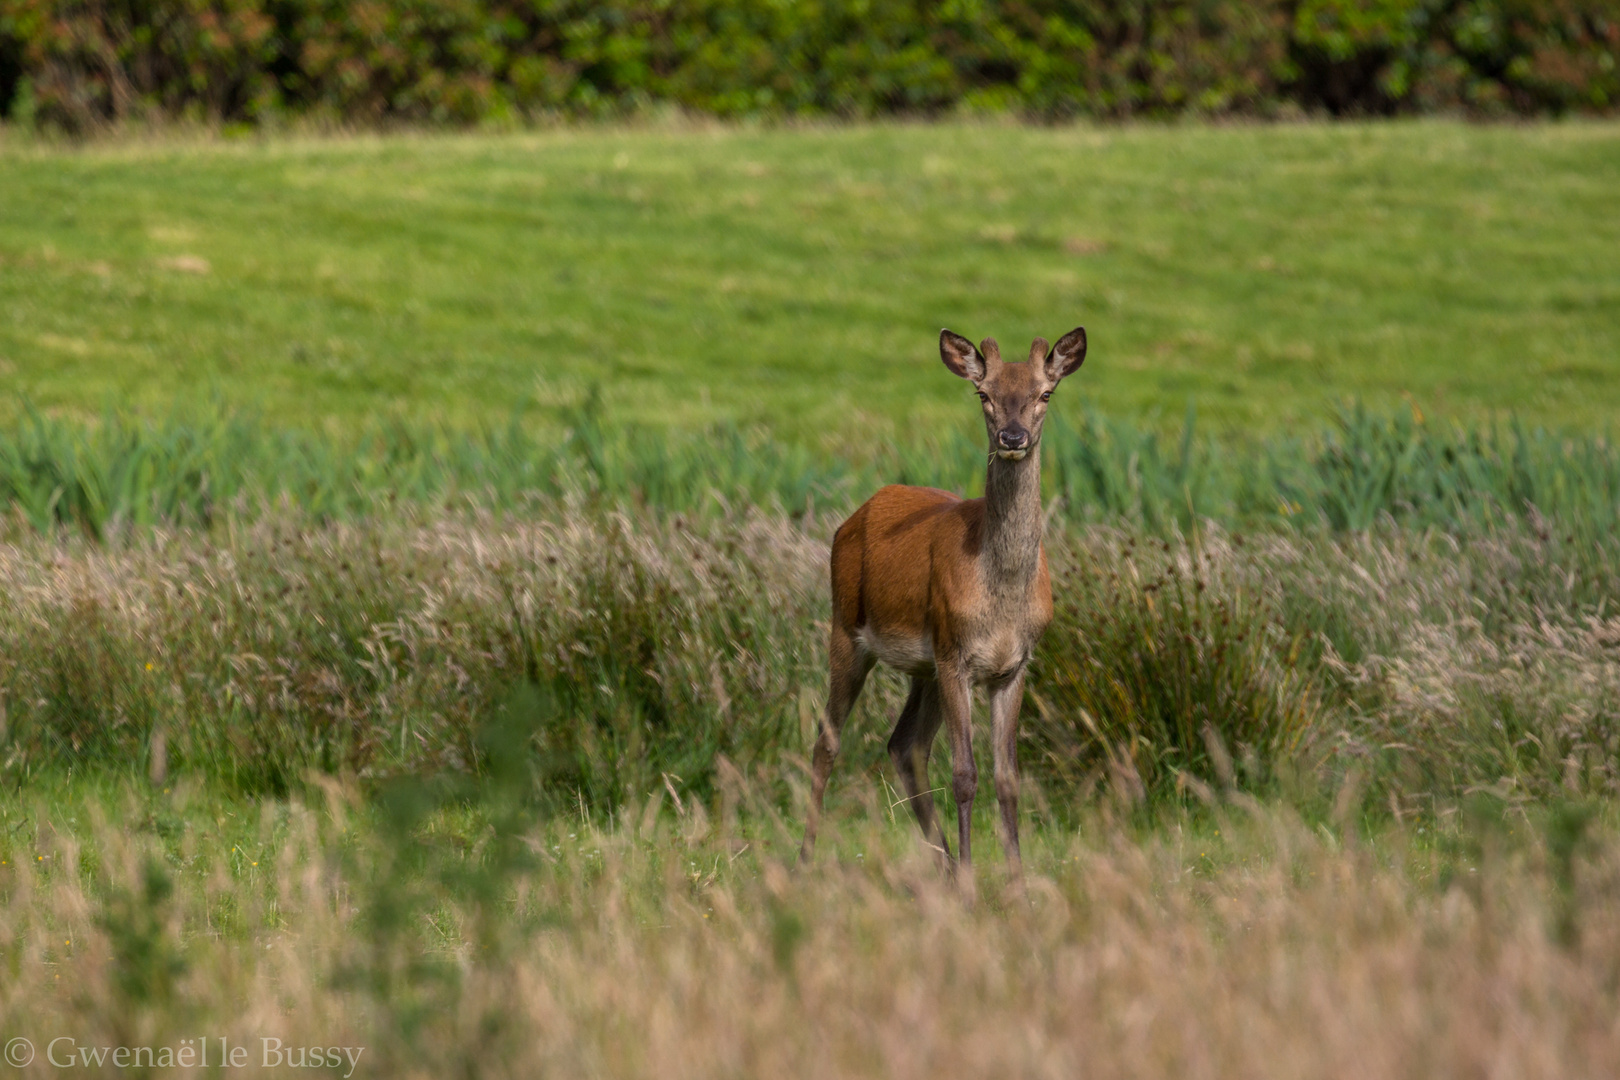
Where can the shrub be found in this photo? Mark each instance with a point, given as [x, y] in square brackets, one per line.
[78, 66]
[87, 64]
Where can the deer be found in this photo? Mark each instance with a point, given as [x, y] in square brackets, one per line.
[953, 593]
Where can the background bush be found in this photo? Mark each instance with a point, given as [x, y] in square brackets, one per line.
[78, 65]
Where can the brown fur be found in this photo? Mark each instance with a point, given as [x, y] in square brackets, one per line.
[952, 592]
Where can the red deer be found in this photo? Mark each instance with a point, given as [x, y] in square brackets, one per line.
[953, 593]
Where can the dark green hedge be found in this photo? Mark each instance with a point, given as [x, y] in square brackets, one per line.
[78, 64]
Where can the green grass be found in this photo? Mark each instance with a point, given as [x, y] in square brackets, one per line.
[222, 469]
[797, 278]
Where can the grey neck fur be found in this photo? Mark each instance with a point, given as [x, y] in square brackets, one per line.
[1013, 521]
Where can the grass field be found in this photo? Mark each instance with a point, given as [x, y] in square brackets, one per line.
[339, 709]
[797, 278]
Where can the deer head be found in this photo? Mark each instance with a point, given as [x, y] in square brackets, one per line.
[1014, 395]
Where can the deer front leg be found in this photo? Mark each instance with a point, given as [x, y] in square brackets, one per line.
[1006, 699]
[956, 705]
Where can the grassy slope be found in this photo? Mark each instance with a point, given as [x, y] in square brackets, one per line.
[798, 277]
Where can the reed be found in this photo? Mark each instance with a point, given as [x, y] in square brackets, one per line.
[196, 469]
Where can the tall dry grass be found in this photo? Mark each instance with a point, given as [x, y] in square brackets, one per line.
[673, 648]
[495, 795]
[468, 939]
[378, 647]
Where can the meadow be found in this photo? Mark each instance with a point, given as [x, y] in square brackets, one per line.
[412, 601]
[798, 278]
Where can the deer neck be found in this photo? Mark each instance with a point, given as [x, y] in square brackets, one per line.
[1013, 522]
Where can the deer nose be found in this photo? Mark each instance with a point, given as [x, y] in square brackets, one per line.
[1012, 438]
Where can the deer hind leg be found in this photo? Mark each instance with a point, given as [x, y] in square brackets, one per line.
[1006, 698]
[910, 747]
[849, 666]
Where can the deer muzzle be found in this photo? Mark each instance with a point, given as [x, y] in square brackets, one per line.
[1012, 443]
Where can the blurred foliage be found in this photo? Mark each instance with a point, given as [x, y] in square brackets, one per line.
[77, 66]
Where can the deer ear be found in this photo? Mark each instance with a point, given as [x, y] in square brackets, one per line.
[961, 357]
[1067, 355]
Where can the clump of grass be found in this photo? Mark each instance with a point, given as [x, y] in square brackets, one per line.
[377, 647]
[1166, 664]
[669, 644]
[1464, 663]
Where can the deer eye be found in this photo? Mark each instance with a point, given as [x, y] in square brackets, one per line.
[1047, 396]
[984, 397]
